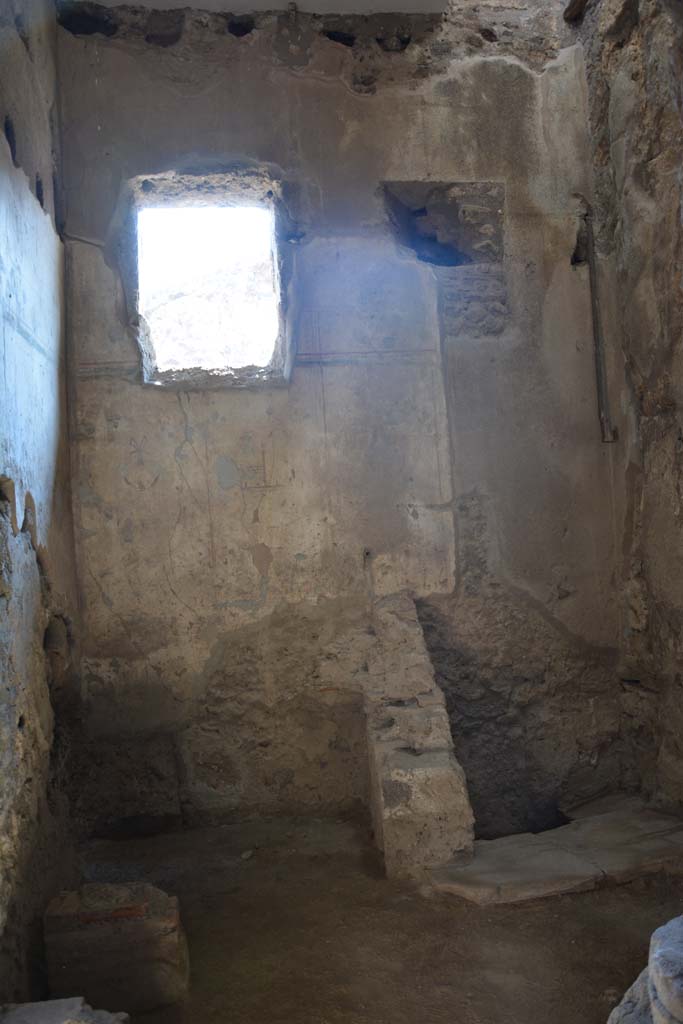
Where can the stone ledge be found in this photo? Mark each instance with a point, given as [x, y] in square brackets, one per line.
[611, 848]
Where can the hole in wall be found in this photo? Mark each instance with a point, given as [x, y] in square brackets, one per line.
[580, 253]
[8, 502]
[87, 20]
[22, 32]
[488, 34]
[11, 137]
[57, 636]
[29, 522]
[337, 36]
[57, 204]
[394, 42]
[241, 25]
[447, 224]
[421, 231]
[40, 192]
[164, 28]
[625, 24]
[6, 490]
[575, 10]
[21, 722]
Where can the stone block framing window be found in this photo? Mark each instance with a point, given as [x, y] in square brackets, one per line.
[206, 273]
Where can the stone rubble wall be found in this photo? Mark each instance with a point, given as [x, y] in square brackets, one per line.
[38, 601]
[634, 73]
[418, 793]
[353, 691]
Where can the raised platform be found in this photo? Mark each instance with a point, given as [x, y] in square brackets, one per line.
[610, 841]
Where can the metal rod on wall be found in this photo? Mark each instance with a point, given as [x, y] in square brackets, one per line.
[609, 434]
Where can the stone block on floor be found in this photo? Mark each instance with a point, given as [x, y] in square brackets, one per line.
[656, 997]
[666, 971]
[59, 1011]
[122, 946]
[634, 1008]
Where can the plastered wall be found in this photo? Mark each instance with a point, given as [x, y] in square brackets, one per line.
[433, 444]
[37, 581]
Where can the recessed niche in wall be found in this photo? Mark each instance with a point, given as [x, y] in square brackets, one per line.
[448, 224]
[459, 228]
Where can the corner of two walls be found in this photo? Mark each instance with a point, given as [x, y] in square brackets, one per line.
[38, 605]
[634, 70]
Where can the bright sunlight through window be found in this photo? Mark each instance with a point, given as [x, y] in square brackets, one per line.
[207, 285]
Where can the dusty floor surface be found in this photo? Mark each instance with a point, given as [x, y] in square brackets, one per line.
[291, 923]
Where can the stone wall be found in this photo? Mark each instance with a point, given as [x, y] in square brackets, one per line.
[634, 62]
[248, 558]
[37, 587]
[439, 435]
[421, 812]
[526, 646]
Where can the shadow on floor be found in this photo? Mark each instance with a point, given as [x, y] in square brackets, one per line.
[290, 922]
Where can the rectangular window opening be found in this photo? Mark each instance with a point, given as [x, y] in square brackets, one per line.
[207, 284]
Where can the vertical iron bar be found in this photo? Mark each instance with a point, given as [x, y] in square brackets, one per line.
[607, 429]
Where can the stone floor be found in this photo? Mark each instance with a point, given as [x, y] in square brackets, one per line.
[607, 843]
[291, 923]
[58, 1011]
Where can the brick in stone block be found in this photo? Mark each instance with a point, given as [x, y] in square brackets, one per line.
[120, 946]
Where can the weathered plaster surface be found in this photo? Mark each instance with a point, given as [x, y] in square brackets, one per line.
[439, 435]
[37, 587]
[251, 561]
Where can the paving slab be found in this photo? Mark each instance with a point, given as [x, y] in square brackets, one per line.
[58, 1011]
[624, 845]
[612, 847]
[618, 826]
[515, 869]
